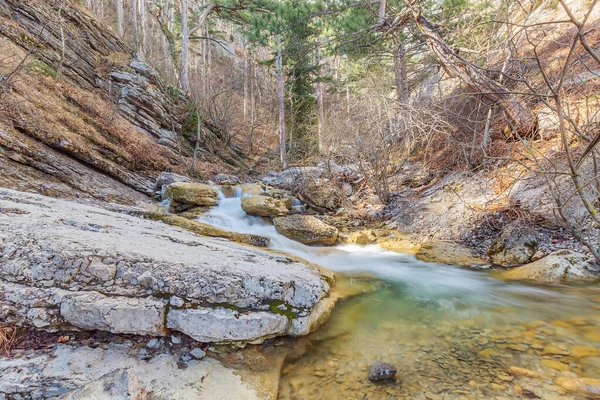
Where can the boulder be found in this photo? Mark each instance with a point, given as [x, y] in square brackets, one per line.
[225, 179]
[516, 245]
[71, 266]
[561, 266]
[380, 371]
[264, 206]
[449, 253]
[292, 178]
[325, 195]
[167, 178]
[282, 195]
[306, 229]
[420, 177]
[548, 123]
[251, 189]
[185, 195]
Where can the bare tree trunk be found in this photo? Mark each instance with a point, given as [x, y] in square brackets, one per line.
[204, 90]
[347, 86]
[143, 27]
[185, 48]
[134, 22]
[320, 100]
[253, 84]
[245, 81]
[518, 114]
[120, 28]
[400, 73]
[208, 64]
[62, 39]
[381, 12]
[282, 153]
[198, 136]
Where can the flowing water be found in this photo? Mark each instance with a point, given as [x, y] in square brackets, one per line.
[453, 333]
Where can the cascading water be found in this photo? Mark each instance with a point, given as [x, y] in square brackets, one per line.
[425, 315]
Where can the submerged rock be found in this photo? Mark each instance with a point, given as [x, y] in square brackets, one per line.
[380, 371]
[185, 195]
[264, 206]
[560, 266]
[586, 386]
[449, 253]
[209, 230]
[306, 229]
[516, 245]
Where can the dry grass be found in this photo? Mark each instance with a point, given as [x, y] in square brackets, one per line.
[8, 337]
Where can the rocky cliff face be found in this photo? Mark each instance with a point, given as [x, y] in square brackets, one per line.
[83, 119]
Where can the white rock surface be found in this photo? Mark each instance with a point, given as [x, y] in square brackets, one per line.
[120, 384]
[221, 324]
[118, 315]
[52, 250]
[68, 368]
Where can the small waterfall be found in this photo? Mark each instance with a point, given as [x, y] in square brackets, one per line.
[448, 287]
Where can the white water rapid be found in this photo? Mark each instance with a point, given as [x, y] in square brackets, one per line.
[462, 291]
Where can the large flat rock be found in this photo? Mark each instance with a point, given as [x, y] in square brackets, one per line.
[85, 373]
[94, 266]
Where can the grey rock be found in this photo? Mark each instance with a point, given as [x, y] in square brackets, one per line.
[141, 316]
[306, 229]
[223, 325]
[153, 343]
[380, 371]
[198, 353]
[176, 301]
[120, 384]
[548, 123]
[175, 339]
[44, 265]
[264, 206]
[167, 178]
[515, 245]
[225, 179]
[561, 266]
[67, 368]
[185, 195]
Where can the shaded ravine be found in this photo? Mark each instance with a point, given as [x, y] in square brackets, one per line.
[452, 332]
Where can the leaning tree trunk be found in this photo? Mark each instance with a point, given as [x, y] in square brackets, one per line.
[520, 117]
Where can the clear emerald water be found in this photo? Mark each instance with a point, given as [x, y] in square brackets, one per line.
[452, 332]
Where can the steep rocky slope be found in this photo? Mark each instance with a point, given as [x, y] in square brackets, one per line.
[83, 119]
